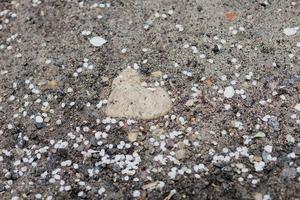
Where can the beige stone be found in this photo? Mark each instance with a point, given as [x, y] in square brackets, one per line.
[53, 84]
[190, 102]
[105, 78]
[258, 196]
[180, 154]
[132, 136]
[127, 77]
[131, 100]
[156, 74]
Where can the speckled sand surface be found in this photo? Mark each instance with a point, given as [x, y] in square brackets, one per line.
[231, 69]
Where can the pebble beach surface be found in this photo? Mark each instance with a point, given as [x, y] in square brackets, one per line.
[150, 99]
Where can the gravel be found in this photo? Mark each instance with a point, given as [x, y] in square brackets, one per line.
[230, 68]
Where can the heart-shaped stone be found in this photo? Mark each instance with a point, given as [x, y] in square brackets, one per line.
[131, 100]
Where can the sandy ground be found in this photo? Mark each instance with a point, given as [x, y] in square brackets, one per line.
[232, 70]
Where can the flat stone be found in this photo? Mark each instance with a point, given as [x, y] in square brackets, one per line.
[97, 41]
[229, 92]
[297, 107]
[39, 119]
[180, 154]
[131, 100]
[127, 77]
[288, 173]
[156, 74]
[53, 84]
[290, 31]
[132, 136]
[190, 102]
[274, 123]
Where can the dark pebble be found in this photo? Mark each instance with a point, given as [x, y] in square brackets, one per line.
[248, 102]
[216, 49]
[145, 70]
[2, 188]
[94, 142]
[227, 169]
[14, 176]
[21, 143]
[63, 153]
[116, 168]
[39, 125]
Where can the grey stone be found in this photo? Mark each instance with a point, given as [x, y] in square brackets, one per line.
[288, 173]
[274, 124]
